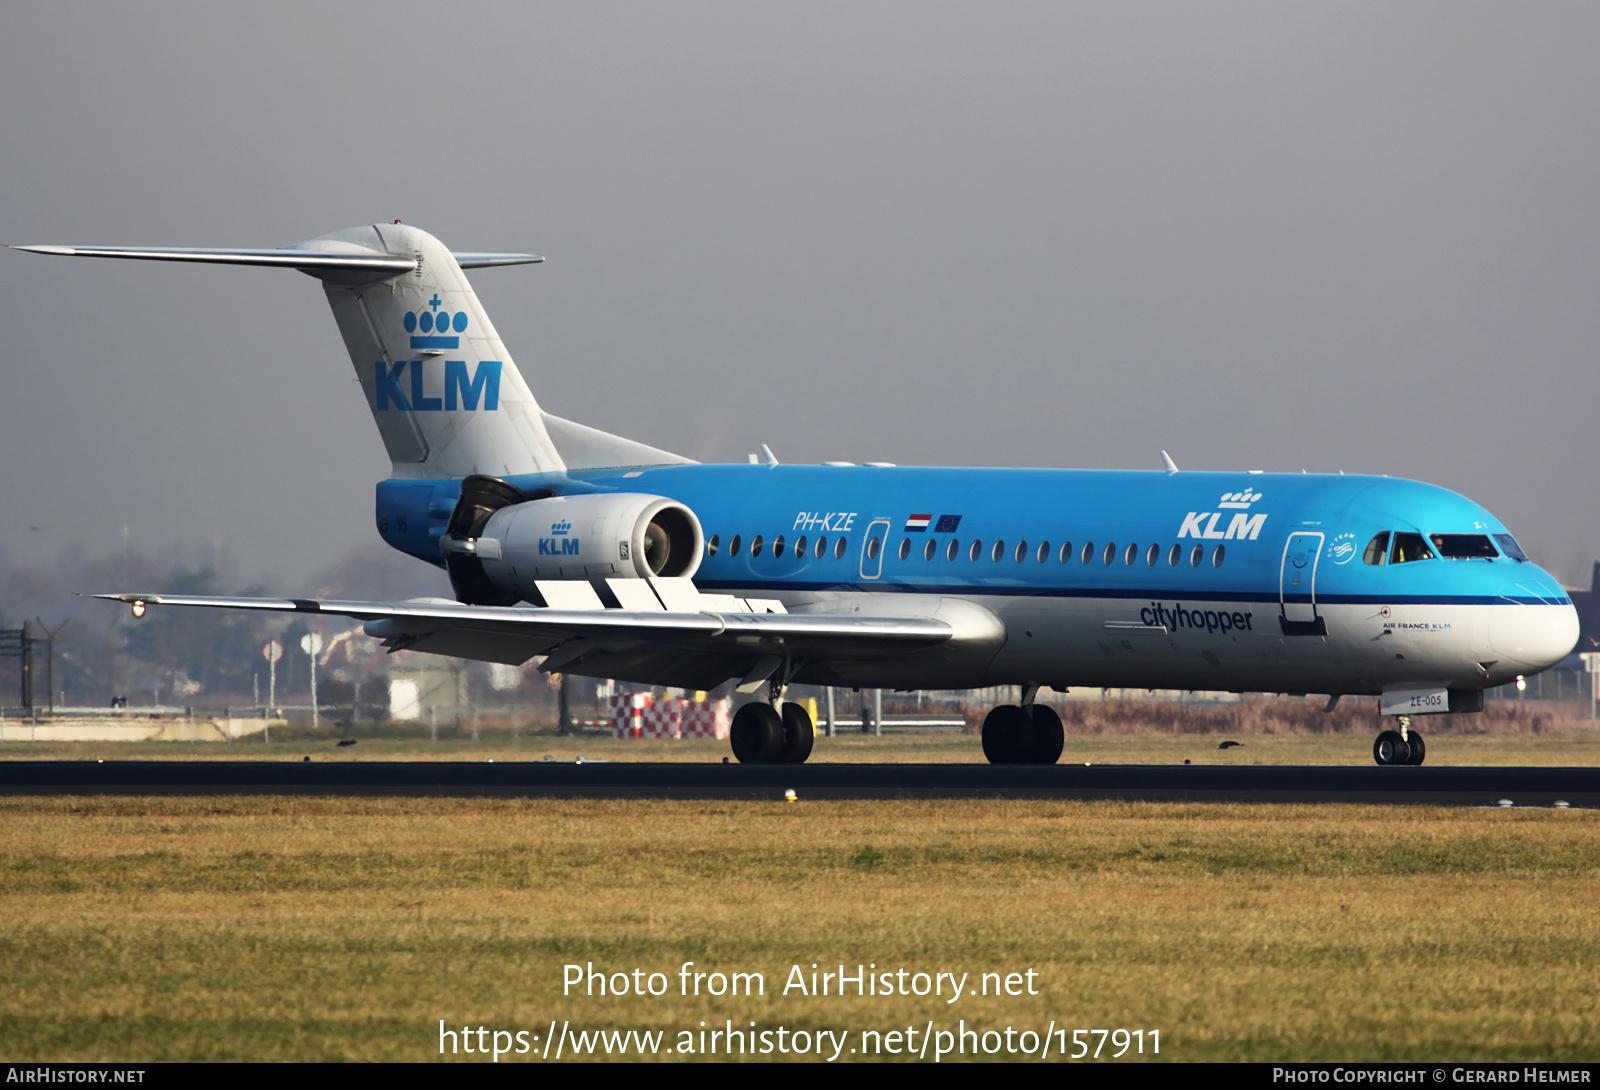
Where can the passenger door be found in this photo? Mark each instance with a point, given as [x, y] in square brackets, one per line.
[1297, 582]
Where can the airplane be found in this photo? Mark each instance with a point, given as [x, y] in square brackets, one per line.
[612, 558]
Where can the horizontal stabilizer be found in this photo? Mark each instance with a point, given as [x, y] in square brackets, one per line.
[489, 261]
[286, 257]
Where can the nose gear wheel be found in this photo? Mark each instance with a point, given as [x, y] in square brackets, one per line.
[1391, 749]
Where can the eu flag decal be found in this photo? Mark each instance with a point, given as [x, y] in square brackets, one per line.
[917, 524]
[948, 524]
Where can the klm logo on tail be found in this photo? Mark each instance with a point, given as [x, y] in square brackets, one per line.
[432, 329]
[459, 392]
[436, 322]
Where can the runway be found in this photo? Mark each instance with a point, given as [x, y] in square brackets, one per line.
[1443, 786]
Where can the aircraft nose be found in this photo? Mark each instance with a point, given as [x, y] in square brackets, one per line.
[1536, 632]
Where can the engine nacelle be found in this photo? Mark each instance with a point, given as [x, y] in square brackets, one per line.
[625, 534]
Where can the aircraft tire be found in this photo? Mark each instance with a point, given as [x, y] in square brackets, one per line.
[1008, 736]
[1390, 749]
[756, 734]
[798, 734]
[1048, 735]
[1419, 748]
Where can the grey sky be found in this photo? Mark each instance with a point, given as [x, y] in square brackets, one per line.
[1338, 236]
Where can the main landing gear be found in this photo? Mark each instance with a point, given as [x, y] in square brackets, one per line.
[1026, 735]
[1400, 747]
[765, 735]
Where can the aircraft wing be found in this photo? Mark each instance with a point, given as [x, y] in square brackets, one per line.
[738, 640]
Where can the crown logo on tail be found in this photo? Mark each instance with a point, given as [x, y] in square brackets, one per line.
[432, 328]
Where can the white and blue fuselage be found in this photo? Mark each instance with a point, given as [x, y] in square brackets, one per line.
[1214, 581]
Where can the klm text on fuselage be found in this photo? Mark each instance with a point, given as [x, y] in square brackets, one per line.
[1203, 524]
[459, 391]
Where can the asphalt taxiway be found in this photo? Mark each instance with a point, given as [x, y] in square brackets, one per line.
[1444, 786]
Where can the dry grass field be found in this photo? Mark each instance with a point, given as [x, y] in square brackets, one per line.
[329, 928]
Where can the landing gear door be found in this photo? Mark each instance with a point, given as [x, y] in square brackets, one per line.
[1297, 578]
[872, 549]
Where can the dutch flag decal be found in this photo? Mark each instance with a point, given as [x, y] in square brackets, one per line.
[917, 524]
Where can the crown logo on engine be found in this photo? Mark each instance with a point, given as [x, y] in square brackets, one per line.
[560, 528]
[432, 327]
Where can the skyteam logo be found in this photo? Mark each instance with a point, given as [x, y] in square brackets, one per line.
[558, 543]
[459, 391]
[1342, 549]
[435, 325]
[1203, 524]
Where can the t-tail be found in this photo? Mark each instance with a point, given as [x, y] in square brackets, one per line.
[443, 390]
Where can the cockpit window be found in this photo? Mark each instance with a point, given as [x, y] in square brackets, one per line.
[1509, 546]
[1463, 546]
[1377, 549]
[1409, 547]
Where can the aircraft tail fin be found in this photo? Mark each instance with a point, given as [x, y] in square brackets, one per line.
[443, 390]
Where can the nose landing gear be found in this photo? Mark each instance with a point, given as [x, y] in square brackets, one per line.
[1400, 747]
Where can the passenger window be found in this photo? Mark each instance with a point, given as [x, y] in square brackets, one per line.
[1130, 554]
[1044, 551]
[777, 545]
[711, 546]
[974, 551]
[1409, 547]
[1110, 553]
[998, 551]
[1377, 549]
[1066, 552]
[1022, 551]
[755, 545]
[1153, 555]
[733, 546]
[1464, 546]
[1216, 556]
[839, 548]
[822, 547]
[872, 548]
[929, 549]
[1174, 554]
[952, 549]
[1509, 546]
[905, 547]
[1088, 551]
[1194, 556]
[800, 548]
